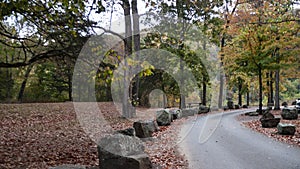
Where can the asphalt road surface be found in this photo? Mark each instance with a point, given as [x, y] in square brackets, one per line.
[219, 141]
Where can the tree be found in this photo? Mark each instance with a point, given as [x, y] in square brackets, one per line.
[259, 30]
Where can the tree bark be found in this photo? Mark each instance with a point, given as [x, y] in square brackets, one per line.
[277, 79]
[260, 88]
[204, 88]
[248, 96]
[23, 85]
[240, 93]
[136, 39]
[128, 51]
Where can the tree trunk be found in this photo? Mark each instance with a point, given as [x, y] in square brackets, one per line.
[182, 96]
[248, 96]
[277, 79]
[23, 85]
[204, 92]
[128, 51]
[240, 93]
[260, 88]
[136, 39]
[271, 88]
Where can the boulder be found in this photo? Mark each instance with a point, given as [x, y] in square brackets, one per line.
[245, 107]
[236, 106]
[268, 120]
[164, 117]
[268, 115]
[286, 129]
[129, 131]
[176, 113]
[144, 129]
[263, 111]
[203, 109]
[285, 104]
[225, 108]
[269, 123]
[120, 151]
[289, 114]
[189, 112]
[230, 104]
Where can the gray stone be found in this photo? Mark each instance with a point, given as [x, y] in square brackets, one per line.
[145, 129]
[269, 123]
[189, 112]
[176, 113]
[164, 117]
[289, 114]
[245, 107]
[129, 131]
[286, 129]
[203, 109]
[268, 115]
[236, 106]
[230, 104]
[263, 111]
[120, 151]
[285, 104]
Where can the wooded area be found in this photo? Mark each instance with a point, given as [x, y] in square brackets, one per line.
[259, 49]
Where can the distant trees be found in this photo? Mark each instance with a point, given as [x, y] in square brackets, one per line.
[263, 38]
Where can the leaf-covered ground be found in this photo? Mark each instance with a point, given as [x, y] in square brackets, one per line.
[254, 124]
[41, 135]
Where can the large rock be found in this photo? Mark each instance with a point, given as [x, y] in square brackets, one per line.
[245, 107]
[236, 106]
[289, 114]
[268, 120]
[269, 123]
[163, 117]
[176, 113]
[268, 115]
[263, 111]
[120, 151]
[129, 131]
[286, 129]
[189, 112]
[144, 129]
[230, 104]
[203, 109]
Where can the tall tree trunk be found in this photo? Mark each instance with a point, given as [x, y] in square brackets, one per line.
[136, 39]
[277, 79]
[180, 15]
[182, 96]
[220, 101]
[260, 88]
[240, 93]
[204, 88]
[248, 96]
[271, 88]
[23, 85]
[128, 51]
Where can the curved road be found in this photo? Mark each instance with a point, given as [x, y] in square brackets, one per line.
[232, 146]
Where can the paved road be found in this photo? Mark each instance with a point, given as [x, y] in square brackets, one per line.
[232, 146]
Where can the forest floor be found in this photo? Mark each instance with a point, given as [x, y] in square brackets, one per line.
[41, 135]
[254, 124]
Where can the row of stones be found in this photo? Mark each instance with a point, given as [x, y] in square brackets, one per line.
[268, 120]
